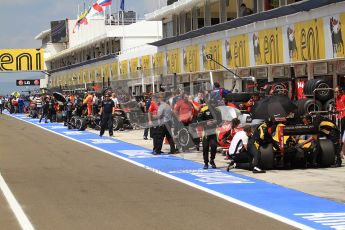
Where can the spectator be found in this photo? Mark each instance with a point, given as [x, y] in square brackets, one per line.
[199, 99]
[244, 10]
[115, 100]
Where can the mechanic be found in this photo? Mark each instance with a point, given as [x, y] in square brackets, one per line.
[107, 112]
[45, 111]
[1, 104]
[218, 93]
[95, 104]
[68, 110]
[184, 110]
[88, 101]
[307, 120]
[53, 108]
[262, 136]
[343, 146]
[209, 138]
[340, 106]
[79, 109]
[330, 130]
[164, 116]
[153, 110]
[240, 158]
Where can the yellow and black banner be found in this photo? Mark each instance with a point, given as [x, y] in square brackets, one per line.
[191, 59]
[237, 51]
[21, 60]
[268, 46]
[173, 61]
[158, 63]
[133, 67]
[213, 48]
[310, 40]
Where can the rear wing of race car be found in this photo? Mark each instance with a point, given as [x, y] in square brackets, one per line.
[292, 130]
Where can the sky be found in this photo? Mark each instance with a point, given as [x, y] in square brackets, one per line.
[22, 20]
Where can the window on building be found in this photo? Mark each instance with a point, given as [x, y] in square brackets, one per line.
[271, 4]
[292, 1]
[215, 13]
[176, 25]
[231, 7]
[168, 29]
[188, 21]
[201, 17]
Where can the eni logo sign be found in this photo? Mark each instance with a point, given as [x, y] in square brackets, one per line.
[21, 60]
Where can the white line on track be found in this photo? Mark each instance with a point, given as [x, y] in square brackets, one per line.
[17, 210]
[220, 195]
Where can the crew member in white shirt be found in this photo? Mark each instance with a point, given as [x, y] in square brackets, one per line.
[240, 158]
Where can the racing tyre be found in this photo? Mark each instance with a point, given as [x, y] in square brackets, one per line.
[311, 105]
[183, 138]
[81, 124]
[97, 123]
[329, 105]
[117, 123]
[307, 105]
[280, 89]
[267, 156]
[327, 153]
[72, 122]
[322, 95]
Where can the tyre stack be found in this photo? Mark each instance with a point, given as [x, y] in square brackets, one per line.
[323, 98]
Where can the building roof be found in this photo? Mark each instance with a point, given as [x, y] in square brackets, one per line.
[174, 8]
[242, 21]
[42, 35]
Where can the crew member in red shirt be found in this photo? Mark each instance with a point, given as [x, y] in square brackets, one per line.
[184, 110]
[340, 106]
[153, 110]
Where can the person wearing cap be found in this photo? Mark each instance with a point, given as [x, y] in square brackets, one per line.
[107, 111]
